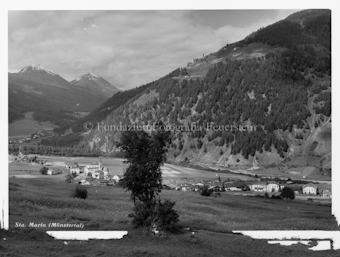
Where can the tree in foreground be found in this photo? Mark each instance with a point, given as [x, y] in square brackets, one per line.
[145, 154]
[288, 193]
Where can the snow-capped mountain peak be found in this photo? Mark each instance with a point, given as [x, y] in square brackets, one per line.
[95, 83]
[89, 76]
[37, 67]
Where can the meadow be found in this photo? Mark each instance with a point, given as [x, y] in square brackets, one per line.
[46, 200]
[108, 207]
[27, 126]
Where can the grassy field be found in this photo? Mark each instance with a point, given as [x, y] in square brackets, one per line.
[109, 206]
[43, 200]
[27, 126]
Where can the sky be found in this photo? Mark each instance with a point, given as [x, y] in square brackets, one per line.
[127, 48]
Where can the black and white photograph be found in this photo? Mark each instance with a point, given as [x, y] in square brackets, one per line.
[176, 128]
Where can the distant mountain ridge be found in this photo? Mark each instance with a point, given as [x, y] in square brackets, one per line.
[39, 74]
[35, 88]
[96, 84]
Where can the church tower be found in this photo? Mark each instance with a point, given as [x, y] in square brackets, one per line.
[100, 164]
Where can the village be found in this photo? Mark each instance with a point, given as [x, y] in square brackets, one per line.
[259, 187]
[34, 136]
[96, 174]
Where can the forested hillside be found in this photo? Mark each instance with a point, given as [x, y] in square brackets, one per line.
[278, 82]
[263, 92]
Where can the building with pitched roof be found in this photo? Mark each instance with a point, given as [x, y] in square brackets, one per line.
[311, 189]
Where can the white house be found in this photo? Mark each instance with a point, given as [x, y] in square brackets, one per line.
[273, 186]
[52, 172]
[75, 170]
[259, 186]
[311, 189]
[185, 188]
[117, 178]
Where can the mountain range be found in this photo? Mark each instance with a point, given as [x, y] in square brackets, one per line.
[37, 88]
[277, 79]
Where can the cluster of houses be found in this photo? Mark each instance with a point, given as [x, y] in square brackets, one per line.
[92, 174]
[306, 189]
[34, 160]
[24, 158]
[28, 139]
[20, 141]
[323, 190]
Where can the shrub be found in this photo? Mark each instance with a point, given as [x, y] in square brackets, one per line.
[163, 216]
[43, 170]
[68, 178]
[245, 187]
[166, 217]
[216, 194]
[180, 146]
[199, 143]
[205, 191]
[266, 195]
[288, 193]
[80, 192]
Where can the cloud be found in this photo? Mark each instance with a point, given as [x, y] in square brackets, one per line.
[127, 48]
